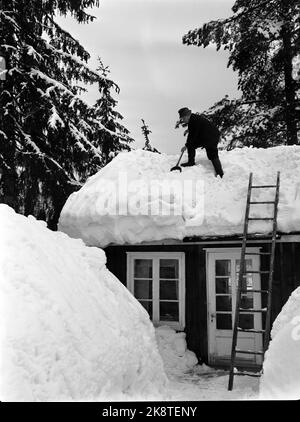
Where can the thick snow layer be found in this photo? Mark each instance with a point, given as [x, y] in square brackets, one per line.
[113, 206]
[173, 349]
[281, 377]
[69, 330]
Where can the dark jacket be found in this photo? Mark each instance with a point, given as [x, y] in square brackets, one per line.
[202, 132]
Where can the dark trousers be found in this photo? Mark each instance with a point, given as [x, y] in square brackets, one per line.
[212, 155]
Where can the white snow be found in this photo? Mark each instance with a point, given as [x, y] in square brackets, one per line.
[173, 350]
[69, 330]
[134, 180]
[281, 377]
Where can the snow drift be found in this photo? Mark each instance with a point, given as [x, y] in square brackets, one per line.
[69, 330]
[281, 377]
[113, 206]
[173, 350]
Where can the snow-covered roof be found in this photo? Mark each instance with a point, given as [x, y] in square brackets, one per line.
[135, 198]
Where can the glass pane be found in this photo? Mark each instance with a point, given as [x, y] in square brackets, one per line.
[168, 290]
[143, 268]
[169, 311]
[223, 267]
[247, 301]
[246, 321]
[143, 289]
[168, 268]
[223, 303]
[223, 285]
[147, 306]
[224, 322]
[248, 278]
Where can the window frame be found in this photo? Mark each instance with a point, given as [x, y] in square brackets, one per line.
[156, 256]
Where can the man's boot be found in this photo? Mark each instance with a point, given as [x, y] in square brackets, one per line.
[218, 167]
[191, 157]
[188, 164]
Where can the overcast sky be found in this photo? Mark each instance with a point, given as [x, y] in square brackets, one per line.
[141, 42]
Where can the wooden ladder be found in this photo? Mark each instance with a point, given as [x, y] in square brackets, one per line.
[243, 272]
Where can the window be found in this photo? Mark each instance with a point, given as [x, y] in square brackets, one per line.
[157, 281]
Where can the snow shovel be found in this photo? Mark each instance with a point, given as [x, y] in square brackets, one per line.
[177, 167]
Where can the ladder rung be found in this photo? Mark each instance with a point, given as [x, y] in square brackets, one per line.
[248, 330]
[254, 291]
[250, 310]
[263, 186]
[261, 218]
[260, 237]
[262, 202]
[249, 374]
[256, 272]
[249, 352]
[258, 253]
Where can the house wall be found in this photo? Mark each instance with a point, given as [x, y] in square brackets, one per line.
[286, 279]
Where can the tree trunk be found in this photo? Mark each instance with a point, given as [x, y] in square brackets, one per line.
[290, 85]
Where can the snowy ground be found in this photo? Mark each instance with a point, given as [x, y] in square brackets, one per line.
[69, 330]
[212, 385]
[281, 378]
[136, 198]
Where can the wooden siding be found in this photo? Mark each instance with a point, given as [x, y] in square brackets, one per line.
[286, 279]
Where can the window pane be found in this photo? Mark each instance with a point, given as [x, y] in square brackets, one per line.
[223, 303]
[223, 285]
[147, 306]
[169, 311]
[168, 290]
[168, 268]
[223, 267]
[246, 321]
[248, 278]
[143, 289]
[224, 322]
[247, 301]
[143, 268]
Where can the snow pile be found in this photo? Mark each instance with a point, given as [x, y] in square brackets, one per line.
[281, 377]
[136, 198]
[173, 349]
[69, 330]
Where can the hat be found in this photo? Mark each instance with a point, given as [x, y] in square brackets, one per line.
[184, 111]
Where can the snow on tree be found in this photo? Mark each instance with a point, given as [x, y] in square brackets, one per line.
[51, 140]
[116, 137]
[263, 40]
[146, 132]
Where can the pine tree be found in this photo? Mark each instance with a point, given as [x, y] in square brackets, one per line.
[146, 132]
[116, 137]
[263, 40]
[49, 136]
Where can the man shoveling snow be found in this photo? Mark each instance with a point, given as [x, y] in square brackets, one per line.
[202, 133]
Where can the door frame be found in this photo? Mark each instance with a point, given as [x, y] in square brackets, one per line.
[232, 252]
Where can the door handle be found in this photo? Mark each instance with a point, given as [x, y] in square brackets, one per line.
[212, 316]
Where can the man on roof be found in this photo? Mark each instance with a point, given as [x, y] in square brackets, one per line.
[202, 133]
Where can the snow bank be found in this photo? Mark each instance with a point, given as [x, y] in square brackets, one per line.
[281, 377]
[173, 349]
[135, 182]
[69, 330]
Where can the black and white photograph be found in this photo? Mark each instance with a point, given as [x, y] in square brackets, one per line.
[149, 203]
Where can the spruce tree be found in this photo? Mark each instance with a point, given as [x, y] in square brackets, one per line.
[116, 137]
[263, 40]
[146, 132]
[50, 138]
